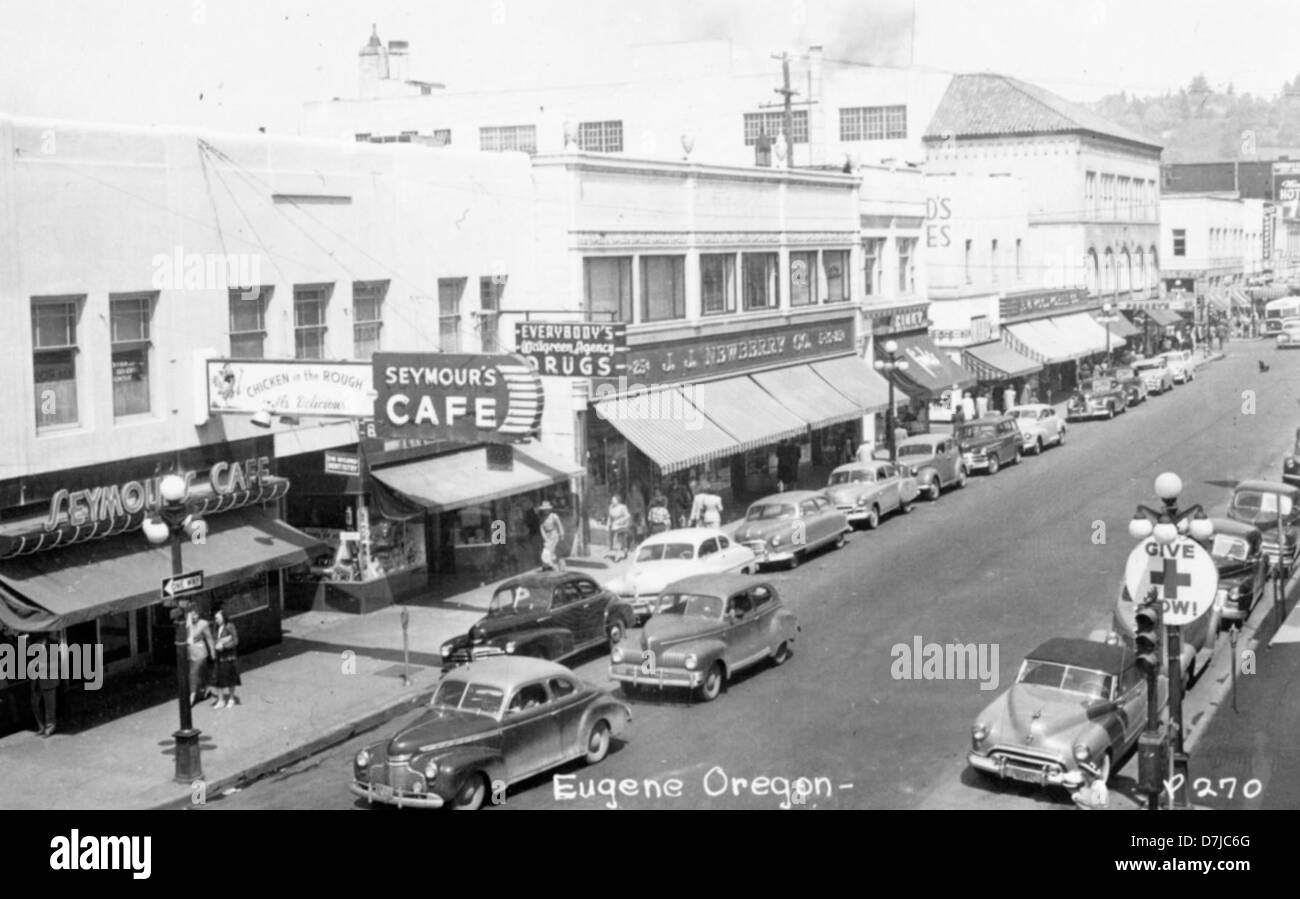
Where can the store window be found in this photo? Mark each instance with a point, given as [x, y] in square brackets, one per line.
[663, 288]
[54, 359]
[310, 302]
[907, 265]
[873, 251]
[248, 321]
[450, 292]
[718, 283]
[490, 290]
[129, 317]
[762, 289]
[835, 265]
[367, 317]
[803, 279]
[608, 283]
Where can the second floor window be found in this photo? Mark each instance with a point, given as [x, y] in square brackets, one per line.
[835, 263]
[508, 137]
[601, 137]
[993, 261]
[367, 317]
[718, 283]
[1090, 191]
[873, 123]
[54, 359]
[907, 265]
[803, 279]
[130, 325]
[663, 288]
[309, 304]
[873, 249]
[762, 287]
[608, 283]
[490, 290]
[773, 123]
[450, 291]
[1180, 242]
[967, 261]
[248, 321]
[1019, 260]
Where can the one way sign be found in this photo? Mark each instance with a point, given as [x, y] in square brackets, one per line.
[182, 584]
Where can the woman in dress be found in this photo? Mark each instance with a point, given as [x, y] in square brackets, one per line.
[198, 640]
[227, 677]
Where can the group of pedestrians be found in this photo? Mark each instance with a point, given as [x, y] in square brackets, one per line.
[683, 504]
[214, 661]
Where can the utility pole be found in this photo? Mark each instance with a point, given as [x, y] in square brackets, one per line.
[787, 104]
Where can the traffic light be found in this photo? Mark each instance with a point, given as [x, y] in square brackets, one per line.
[1147, 620]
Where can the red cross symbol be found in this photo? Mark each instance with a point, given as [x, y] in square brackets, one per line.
[1171, 579]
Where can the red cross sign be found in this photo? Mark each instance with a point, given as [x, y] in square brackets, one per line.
[1183, 573]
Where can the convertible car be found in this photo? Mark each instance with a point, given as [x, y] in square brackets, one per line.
[671, 556]
[1076, 708]
[489, 725]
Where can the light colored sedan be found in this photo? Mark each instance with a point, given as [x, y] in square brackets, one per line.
[673, 555]
[1155, 374]
[1040, 424]
[864, 491]
[1182, 364]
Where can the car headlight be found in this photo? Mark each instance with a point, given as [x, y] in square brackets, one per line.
[913, 470]
[616, 655]
[862, 500]
[979, 733]
[510, 647]
[776, 541]
[447, 649]
[431, 769]
[363, 759]
[1082, 753]
[692, 660]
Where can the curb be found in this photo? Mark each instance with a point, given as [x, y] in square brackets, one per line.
[333, 737]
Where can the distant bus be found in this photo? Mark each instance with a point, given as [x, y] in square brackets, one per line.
[1275, 311]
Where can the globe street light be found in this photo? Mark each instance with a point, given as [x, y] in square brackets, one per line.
[892, 363]
[173, 519]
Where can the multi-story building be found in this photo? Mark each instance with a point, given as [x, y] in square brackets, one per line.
[1211, 243]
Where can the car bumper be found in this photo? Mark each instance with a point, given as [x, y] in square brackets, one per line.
[373, 793]
[1090, 412]
[974, 463]
[855, 513]
[1009, 769]
[464, 656]
[661, 677]
[764, 553]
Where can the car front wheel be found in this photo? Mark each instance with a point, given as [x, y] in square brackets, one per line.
[598, 743]
[1038, 447]
[782, 654]
[472, 793]
[712, 686]
[994, 465]
[1110, 411]
[1016, 460]
[961, 478]
[873, 518]
[932, 493]
[1060, 438]
[615, 632]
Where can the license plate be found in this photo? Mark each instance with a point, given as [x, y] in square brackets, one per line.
[1028, 775]
[382, 792]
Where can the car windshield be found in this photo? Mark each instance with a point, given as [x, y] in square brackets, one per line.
[860, 476]
[693, 604]
[766, 511]
[656, 552]
[1024, 413]
[468, 697]
[916, 449]
[977, 432]
[1148, 366]
[1085, 681]
[515, 601]
[1256, 505]
[1232, 549]
[1125, 373]
[1097, 385]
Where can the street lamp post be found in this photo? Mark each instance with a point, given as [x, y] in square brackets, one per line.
[885, 367]
[173, 521]
[1166, 525]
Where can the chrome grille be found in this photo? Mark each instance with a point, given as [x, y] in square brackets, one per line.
[1025, 758]
[402, 779]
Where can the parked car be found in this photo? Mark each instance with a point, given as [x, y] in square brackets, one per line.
[547, 614]
[710, 627]
[1182, 365]
[990, 442]
[785, 526]
[672, 555]
[1039, 425]
[489, 725]
[1289, 337]
[1291, 463]
[1135, 389]
[864, 491]
[1156, 374]
[1076, 708]
[934, 460]
[1238, 553]
[1269, 505]
[1100, 397]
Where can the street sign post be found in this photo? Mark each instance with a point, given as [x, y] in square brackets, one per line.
[1183, 573]
[180, 585]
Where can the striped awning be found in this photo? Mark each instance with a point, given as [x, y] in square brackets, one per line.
[668, 428]
[852, 377]
[745, 411]
[997, 362]
[808, 395]
[1238, 298]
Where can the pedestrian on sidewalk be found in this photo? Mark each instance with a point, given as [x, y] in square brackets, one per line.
[620, 528]
[706, 511]
[659, 518]
[683, 501]
[199, 644]
[227, 675]
[44, 691]
[552, 530]
[636, 504]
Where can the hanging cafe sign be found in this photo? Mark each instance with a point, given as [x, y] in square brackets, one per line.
[76, 516]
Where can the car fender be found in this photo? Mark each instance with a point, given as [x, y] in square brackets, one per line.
[926, 476]
[618, 714]
[554, 641]
[620, 610]
[455, 763]
[1102, 733]
[707, 652]
[785, 625]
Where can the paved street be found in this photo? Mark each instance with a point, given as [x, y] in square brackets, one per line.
[1009, 561]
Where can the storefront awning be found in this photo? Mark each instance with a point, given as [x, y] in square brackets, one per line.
[58, 588]
[746, 411]
[996, 362]
[852, 377]
[1165, 318]
[460, 479]
[1042, 342]
[808, 395]
[668, 428]
[929, 371]
[1081, 333]
[1238, 298]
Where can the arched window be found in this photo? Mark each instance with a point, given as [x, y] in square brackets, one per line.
[1154, 267]
[1126, 271]
[1090, 272]
[1141, 281]
[1108, 274]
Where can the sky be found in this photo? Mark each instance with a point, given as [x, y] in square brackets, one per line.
[236, 65]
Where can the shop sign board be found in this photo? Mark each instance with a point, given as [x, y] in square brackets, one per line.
[291, 387]
[483, 398]
[573, 349]
[1043, 303]
[342, 463]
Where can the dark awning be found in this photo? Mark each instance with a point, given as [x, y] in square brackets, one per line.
[58, 588]
[1118, 326]
[460, 479]
[1165, 318]
[929, 371]
[996, 362]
